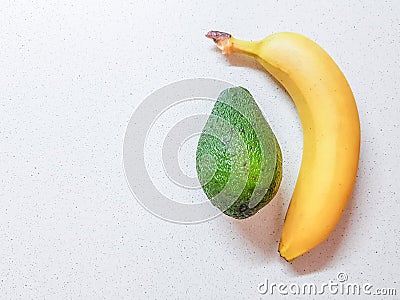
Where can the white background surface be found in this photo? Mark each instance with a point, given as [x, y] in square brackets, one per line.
[72, 72]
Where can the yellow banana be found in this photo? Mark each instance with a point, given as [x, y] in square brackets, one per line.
[331, 131]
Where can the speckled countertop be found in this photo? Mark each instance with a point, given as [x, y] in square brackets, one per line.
[71, 74]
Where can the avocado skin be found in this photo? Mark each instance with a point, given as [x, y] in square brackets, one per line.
[247, 159]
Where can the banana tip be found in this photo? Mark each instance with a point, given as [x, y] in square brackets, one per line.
[285, 258]
[282, 250]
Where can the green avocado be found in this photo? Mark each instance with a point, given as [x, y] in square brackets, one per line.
[238, 158]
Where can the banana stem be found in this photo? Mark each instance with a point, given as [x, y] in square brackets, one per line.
[222, 39]
[227, 43]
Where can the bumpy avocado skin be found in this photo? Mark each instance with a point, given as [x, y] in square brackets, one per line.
[238, 158]
[243, 169]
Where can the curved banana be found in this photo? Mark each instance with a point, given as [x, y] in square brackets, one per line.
[331, 130]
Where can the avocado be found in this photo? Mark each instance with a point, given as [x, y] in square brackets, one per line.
[238, 158]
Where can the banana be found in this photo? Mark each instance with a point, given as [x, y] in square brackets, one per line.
[331, 132]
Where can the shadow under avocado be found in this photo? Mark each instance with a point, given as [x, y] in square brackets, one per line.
[264, 228]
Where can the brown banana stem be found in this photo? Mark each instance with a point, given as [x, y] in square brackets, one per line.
[222, 39]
